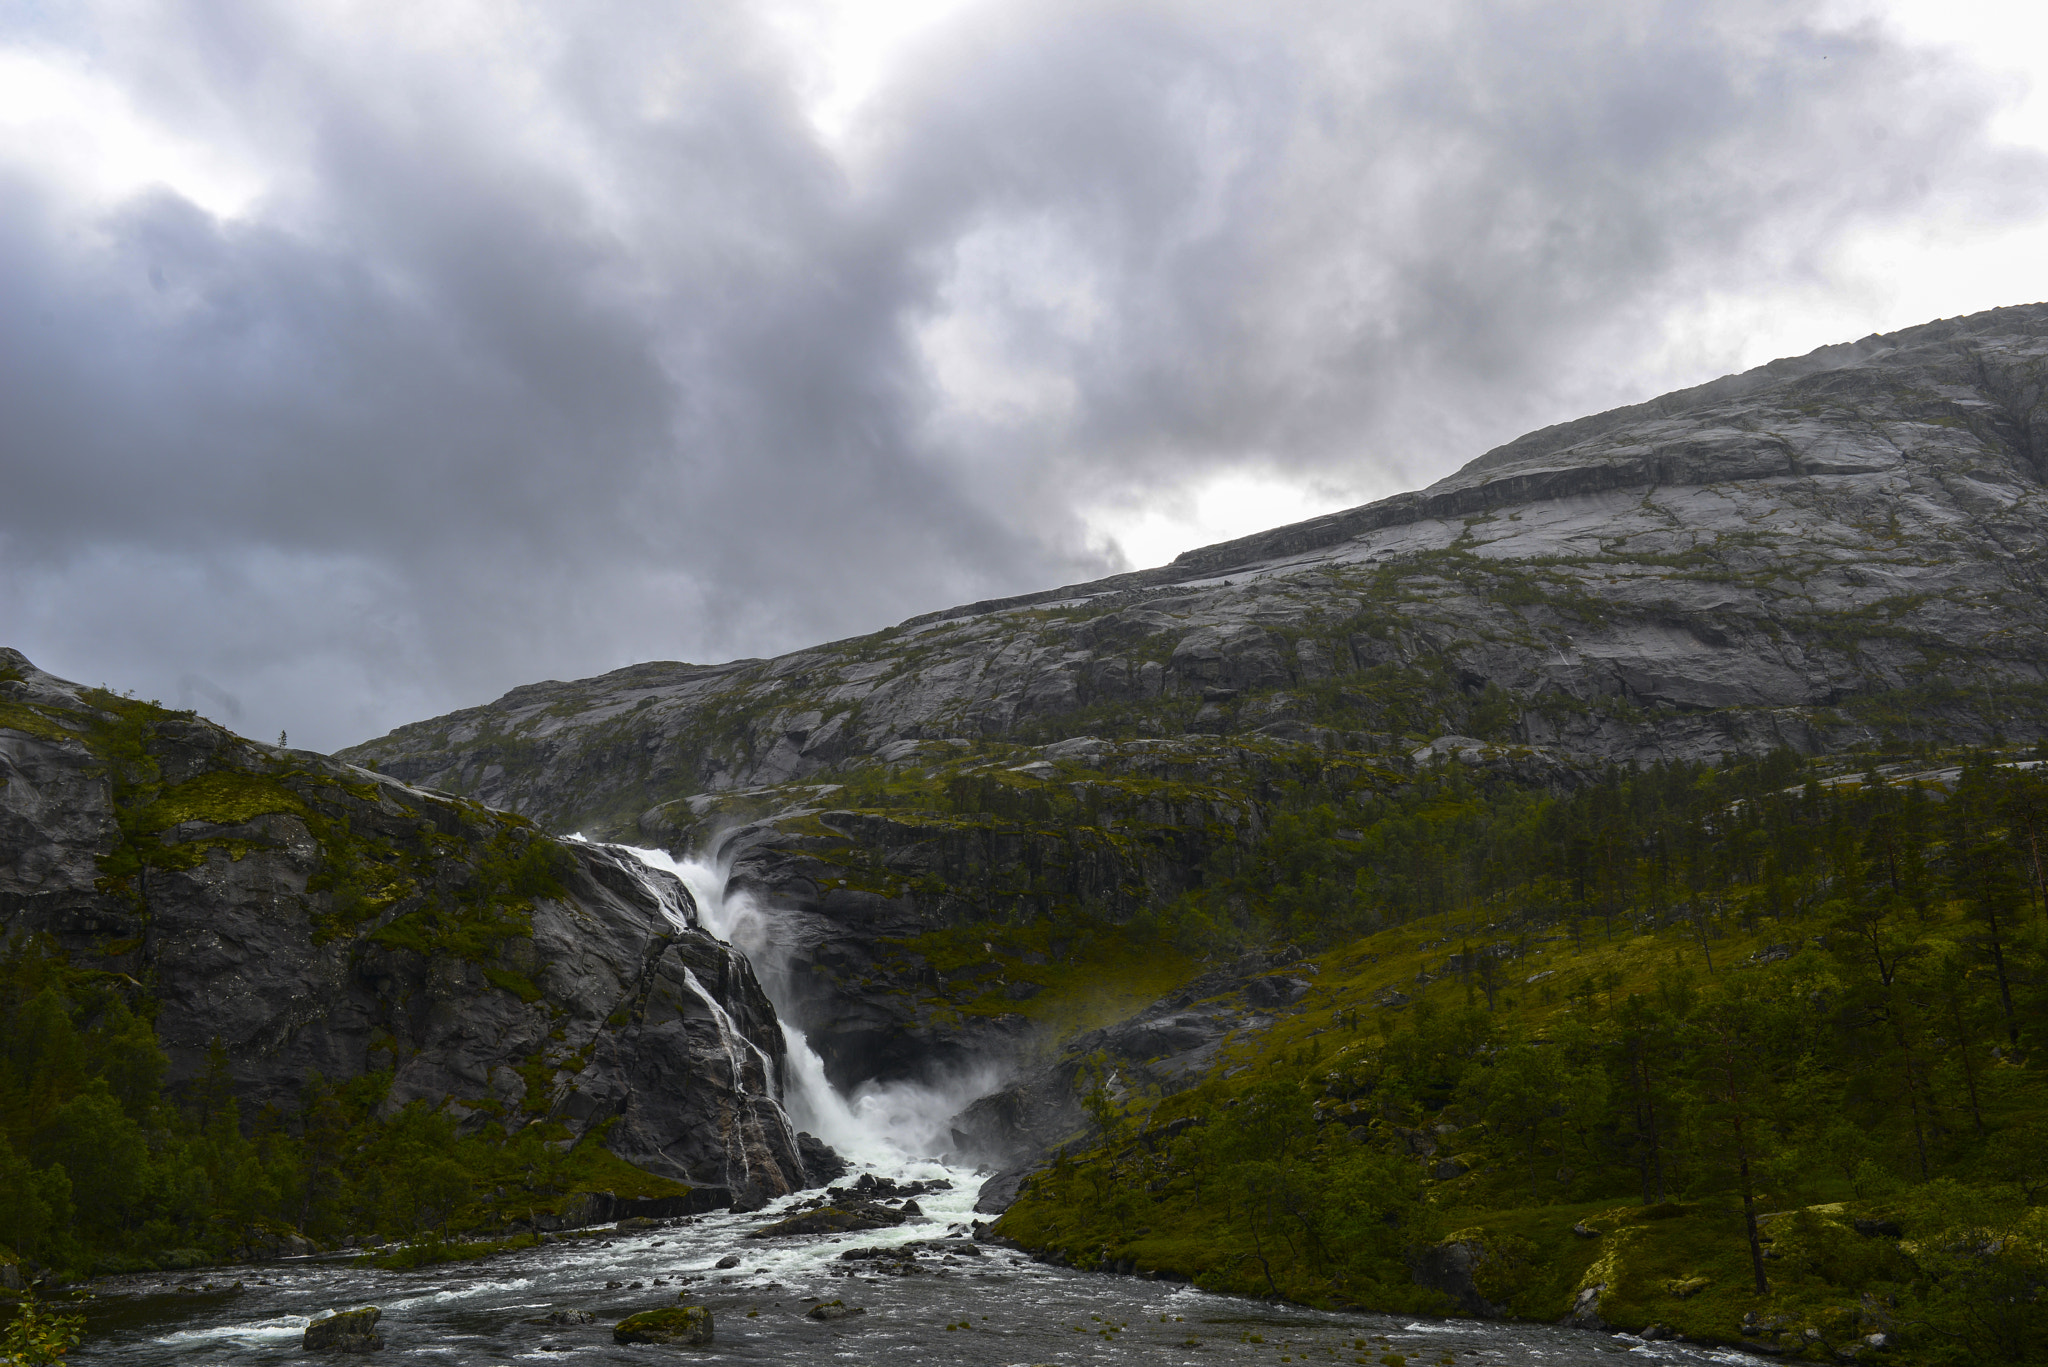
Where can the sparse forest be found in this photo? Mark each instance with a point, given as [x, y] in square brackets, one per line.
[1747, 1049]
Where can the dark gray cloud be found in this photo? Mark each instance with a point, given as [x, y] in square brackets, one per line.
[557, 342]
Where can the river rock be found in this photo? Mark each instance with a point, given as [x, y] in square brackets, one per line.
[687, 1326]
[840, 1219]
[1001, 1191]
[834, 1310]
[347, 1331]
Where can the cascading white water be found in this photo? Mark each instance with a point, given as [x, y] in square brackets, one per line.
[882, 1125]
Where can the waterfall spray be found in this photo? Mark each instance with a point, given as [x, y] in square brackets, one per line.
[881, 1124]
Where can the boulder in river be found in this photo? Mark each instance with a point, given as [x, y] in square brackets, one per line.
[845, 1219]
[821, 1161]
[688, 1325]
[834, 1310]
[347, 1331]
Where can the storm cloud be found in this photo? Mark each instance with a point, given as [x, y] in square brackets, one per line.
[506, 343]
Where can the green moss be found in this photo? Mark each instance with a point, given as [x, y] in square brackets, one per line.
[30, 721]
[220, 797]
[518, 984]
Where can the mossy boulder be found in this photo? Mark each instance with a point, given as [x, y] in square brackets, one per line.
[347, 1331]
[687, 1326]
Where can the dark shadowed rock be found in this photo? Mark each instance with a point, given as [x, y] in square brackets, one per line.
[821, 1161]
[1448, 1267]
[839, 1219]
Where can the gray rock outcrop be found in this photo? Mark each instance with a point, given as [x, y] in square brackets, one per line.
[1808, 553]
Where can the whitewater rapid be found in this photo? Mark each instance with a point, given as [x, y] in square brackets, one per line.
[888, 1128]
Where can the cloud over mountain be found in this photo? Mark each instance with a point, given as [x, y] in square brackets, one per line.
[363, 364]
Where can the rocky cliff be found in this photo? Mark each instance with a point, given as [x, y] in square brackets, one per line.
[311, 915]
[1834, 551]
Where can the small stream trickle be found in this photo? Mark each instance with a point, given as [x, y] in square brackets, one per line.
[961, 1303]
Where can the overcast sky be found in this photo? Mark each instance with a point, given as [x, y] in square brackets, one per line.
[359, 362]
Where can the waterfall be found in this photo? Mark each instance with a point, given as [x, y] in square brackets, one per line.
[880, 1125]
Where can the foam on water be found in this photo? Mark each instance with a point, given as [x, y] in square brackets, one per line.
[891, 1126]
[285, 1326]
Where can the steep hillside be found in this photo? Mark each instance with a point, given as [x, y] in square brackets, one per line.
[1831, 553]
[196, 924]
[1743, 1055]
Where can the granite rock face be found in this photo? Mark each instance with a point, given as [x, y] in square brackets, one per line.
[1835, 549]
[311, 915]
[1804, 554]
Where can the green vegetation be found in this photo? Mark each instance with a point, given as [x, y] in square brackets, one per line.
[104, 1168]
[1762, 1034]
[100, 1170]
[38, 1335]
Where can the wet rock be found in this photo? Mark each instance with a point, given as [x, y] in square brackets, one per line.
[558, 1318]
[1000, 1192]
[842, 1219]
[834, 1310]
[686, 1325]
[821, 1161]
[729, 1260]
[348, 1331]
[1585, 1311]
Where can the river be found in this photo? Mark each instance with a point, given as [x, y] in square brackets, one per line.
[952, 1301]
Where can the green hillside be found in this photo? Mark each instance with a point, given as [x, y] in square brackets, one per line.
[1746, 1049]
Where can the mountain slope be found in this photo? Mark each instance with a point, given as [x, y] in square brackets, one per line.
[1819, 552]
[1834, 552]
